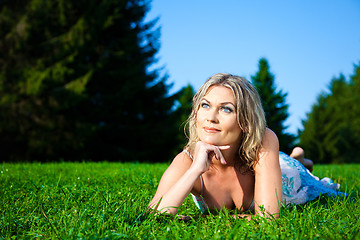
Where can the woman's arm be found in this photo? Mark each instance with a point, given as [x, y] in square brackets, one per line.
[175, 184]
[180, 177]
[268, 182]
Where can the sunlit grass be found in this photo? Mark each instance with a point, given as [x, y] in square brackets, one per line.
[108, 200]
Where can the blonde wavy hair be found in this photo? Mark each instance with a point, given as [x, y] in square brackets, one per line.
[250, 115]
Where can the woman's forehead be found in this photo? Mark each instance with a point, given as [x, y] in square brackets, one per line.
[220, 93]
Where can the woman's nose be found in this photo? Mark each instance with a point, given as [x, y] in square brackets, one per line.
[212, 115]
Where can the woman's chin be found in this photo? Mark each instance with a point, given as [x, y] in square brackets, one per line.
[212, 142]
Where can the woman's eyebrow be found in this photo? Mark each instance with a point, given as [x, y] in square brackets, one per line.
[205, 100]
[223, 103]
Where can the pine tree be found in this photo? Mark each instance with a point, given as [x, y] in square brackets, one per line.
[312, 139]
[75, 84]
[181, 116]
[331, 131]
[274, 104]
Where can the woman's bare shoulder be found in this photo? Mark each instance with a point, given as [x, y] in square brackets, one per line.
[182, 159]
[270, 141]
[269, 151]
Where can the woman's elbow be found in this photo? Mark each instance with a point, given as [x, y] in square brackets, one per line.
[156, 207]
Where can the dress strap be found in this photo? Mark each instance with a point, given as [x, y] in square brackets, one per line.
[188, 153]
[202, 186]
[252, 205]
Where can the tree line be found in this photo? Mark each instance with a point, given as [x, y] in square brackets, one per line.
[331, 131]
[76, 84]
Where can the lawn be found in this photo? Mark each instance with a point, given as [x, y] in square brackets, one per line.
[108, 201]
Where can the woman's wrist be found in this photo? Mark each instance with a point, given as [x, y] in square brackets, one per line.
[195, 170]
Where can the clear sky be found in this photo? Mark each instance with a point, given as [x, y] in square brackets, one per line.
[306, 43]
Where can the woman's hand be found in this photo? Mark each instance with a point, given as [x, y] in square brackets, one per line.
[180, 177]
[204, 154]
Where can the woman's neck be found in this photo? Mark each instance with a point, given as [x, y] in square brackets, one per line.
[230, 155]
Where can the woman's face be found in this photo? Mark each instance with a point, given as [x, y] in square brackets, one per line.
[216, 121]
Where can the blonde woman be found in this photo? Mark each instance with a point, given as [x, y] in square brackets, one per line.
[232, 160]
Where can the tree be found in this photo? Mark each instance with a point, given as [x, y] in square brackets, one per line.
[75, 82]
[331, 131]
[181, 115]
[312, 139]
[274, 104]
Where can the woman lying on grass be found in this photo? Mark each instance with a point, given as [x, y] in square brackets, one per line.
[232, 160]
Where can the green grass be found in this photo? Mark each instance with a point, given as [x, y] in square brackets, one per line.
[108, 201]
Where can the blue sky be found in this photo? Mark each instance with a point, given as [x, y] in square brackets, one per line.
[306, 43]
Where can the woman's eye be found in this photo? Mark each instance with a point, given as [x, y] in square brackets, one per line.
[205, 105]
[227, 109]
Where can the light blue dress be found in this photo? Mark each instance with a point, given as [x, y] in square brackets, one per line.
[299, 185]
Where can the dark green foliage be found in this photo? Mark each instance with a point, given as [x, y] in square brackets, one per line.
[75, 84]
[181, 115]
[332, 129]
[185, 101]
[274, 104]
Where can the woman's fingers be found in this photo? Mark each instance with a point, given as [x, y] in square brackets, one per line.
[205, 152]
[215, 151]
[224, 147]
[218, 153]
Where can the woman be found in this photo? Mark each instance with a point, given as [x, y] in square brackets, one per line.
[231, 159]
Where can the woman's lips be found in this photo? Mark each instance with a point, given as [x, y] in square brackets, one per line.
[211, 130]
